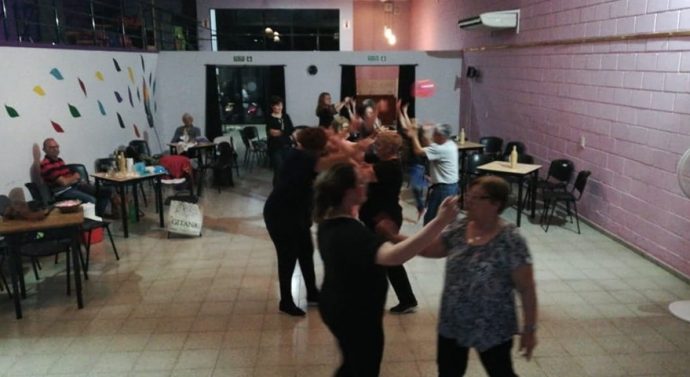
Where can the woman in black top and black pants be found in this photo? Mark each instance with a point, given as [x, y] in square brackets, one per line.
[353, 294]
[287, 215]
[326, 110]
[383, 205]
[279, 130]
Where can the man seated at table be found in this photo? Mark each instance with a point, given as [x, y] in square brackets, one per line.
[67, 184]
[187, 132]
[442, 154]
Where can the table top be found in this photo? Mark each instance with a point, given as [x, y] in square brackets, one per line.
[469, 145]
[124, 178]
[55, 219]
[205, 144]
[504, 167]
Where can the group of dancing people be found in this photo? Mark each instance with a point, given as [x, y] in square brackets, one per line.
[347, 176]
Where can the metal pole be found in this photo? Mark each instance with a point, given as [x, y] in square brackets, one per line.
[58, 32]
[143, 27]
[122, 23]
[4, 19]
[93, 21]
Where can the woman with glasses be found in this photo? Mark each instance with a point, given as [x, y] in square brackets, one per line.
[487, 260]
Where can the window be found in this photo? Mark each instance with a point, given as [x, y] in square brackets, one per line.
[276, 29]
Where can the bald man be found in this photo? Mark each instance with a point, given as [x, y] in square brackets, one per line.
[67, 184]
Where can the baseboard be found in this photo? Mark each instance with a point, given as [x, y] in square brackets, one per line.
[637, 250]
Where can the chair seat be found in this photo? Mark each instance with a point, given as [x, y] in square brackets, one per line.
[91, 224]
[559, 195]
[45, 248]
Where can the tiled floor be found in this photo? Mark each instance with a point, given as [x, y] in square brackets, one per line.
[207, 307]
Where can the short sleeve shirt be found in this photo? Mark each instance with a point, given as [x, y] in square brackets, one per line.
[353, 284]
[443, 162]
[478, 302]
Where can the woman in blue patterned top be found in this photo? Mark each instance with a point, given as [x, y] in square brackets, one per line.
[487, 261]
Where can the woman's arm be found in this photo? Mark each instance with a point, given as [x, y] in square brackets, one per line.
[523, 278]
[393, 255]
[436, 249]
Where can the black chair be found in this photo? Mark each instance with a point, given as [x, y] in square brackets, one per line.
[473, 161]
[222, 168]
[141, 147]
[519, 148]
[255, 149]
[553, 197]
[42, 194]
[44, 244]
[4, 204]
[493, 145]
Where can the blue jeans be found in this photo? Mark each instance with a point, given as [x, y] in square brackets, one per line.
[418, 184]
[87, 194]
[437, 193]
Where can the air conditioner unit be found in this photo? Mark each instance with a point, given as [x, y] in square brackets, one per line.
[503, 20]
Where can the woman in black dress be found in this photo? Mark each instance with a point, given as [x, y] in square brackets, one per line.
[279, 130]
[287, 215]
[353, 293]
[383, 206]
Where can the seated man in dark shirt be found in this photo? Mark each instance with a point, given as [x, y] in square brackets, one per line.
[67, 184]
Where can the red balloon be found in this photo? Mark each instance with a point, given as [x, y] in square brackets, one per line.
[423, 88]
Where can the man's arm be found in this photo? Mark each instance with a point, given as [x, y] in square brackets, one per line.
[68, 180]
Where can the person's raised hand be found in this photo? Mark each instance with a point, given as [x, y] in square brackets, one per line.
[448, 210]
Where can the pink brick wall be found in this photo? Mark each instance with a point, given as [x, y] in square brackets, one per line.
[630, 100]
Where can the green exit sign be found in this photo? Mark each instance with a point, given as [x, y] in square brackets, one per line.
[242, 59]
[376, 58]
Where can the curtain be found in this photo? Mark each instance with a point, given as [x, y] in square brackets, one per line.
[406, 78]
[214, 126]
[348, 84]
[275, 86]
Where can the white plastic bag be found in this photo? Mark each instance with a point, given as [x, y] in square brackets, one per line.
[185, 218]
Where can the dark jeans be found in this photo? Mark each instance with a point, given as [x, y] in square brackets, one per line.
[277, 157]
[418, 184]
[360, 341]
[401, 285]
[293, 243]
[452, 359]
[437, 193]
[87, 194]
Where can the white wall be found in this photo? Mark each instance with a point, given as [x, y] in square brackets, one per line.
[85, 138]
[203, 8]
[182, 76]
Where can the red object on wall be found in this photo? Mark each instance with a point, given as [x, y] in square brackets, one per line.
[96, 236]
[423, 89]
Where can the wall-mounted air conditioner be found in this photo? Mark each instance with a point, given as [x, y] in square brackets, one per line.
[503, 20]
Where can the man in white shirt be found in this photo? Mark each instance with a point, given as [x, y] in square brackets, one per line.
[442, 154]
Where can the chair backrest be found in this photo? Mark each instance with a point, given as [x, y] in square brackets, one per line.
[81, 169]
[220, 139]
[251, 132]
[561, 170]
[224, 152]
[245, 138]
[141, 147]
[581, 182]
[4, 204]
[492, 144]
[40, 193]
[477, 159]
[102, 165]
[519, 147]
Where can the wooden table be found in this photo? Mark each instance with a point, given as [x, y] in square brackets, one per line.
[520, 171]
[120, 181]
[197, 151]
[463, 149]
[14, 230]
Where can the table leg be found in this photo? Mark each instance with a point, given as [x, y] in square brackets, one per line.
[76, 266]
[533, 187]
[519, 201]
[98, 191]
[135, 193]
[463, 156]
[13, 254]
[123, 209]
[159, 200]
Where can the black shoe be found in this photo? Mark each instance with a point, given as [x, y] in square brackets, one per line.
[404, 308]
[292, 310]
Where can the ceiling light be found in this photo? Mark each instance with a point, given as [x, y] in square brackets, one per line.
[268, 30]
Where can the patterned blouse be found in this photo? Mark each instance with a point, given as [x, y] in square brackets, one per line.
[478, 303]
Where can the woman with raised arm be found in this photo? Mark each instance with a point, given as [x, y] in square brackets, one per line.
[353, 293]
[326, 110]
[487, 262]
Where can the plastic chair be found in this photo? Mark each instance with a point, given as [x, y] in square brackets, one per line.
[553, 197]
[519, 147]
[222, 168]
[492, 145]
[255, 148]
